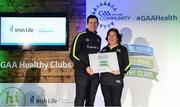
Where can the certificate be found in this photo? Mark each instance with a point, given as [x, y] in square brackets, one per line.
[104, 62]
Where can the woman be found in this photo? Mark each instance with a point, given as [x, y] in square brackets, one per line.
[112, 82]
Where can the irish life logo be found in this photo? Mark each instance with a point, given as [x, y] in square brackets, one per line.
[11, 28]
[12, 97]
[108, 14]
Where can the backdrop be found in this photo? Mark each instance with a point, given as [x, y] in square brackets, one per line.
[151, 32]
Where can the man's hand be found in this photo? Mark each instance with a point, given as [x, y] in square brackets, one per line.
[89, 70]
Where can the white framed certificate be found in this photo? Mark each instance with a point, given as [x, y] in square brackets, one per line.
[104, 62]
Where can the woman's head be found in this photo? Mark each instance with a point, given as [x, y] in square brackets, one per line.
[113, 36]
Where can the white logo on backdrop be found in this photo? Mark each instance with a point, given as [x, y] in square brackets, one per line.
[107, 14]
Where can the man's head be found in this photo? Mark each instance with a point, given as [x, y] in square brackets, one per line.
[92, 23]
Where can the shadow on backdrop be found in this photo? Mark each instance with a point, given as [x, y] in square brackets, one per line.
[138, 87]
[34, 93]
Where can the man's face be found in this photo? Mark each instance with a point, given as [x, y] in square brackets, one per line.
[92, 24]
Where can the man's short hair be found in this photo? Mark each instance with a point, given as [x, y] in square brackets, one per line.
[92, 17]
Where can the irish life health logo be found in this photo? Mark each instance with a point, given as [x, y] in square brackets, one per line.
[108, 14]
[12, 97]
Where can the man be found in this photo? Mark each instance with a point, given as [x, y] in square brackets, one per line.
[87, 82]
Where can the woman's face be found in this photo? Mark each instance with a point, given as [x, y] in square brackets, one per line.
[112, 38]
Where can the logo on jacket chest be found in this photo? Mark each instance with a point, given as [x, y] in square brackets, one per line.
[87, 39]
[118, 50]
[90, 44]
[118, 81]
[92, 47]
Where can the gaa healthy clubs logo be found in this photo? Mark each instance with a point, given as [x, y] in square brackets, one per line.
[11, 97]
[143, 62]
[107, 14]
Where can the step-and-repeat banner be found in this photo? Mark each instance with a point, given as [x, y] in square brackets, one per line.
[151, 33]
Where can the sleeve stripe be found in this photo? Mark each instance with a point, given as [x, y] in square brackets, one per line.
[74, 46]
[127, 67]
